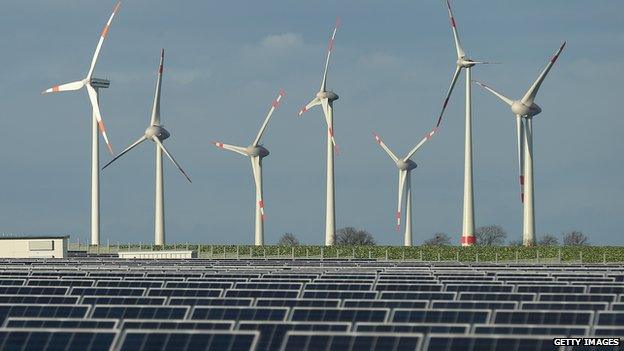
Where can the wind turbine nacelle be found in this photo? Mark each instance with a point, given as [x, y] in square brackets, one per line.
[406, 165]
[465, 62]
[157, 131]
[329, 95]
[259, 150]
[523, 110]
[99, 83]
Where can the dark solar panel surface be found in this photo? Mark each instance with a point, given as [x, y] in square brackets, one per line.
[65, 340]
[297, 340]
[438, 342]
[156, 340]
[272, 334]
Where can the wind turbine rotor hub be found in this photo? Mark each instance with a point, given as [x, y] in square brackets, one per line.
[465, 62]
[329, 95]
[157, 131]
[520, 109]
[406, 165]
[258, 150]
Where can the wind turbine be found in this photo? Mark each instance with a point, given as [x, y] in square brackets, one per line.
[405, 166]
[256, 152]
[93, 86]
[156, 133]
[463, 62]
[524, 110]
[326, 99]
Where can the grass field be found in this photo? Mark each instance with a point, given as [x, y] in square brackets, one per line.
[568, 254]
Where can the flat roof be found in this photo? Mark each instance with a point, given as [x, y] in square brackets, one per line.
[21, 237]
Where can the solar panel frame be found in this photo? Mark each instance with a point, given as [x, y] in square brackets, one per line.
[52, 333]
[185, 292]
[514, 317]
[298, 302]
[403, 327]
[163, 323]
[374, 314]
[21, 323]
[417, 295]
[402, 315]
[482, 328]
[27, 310]
[272, 313]
[567, 306]
[339, 294]
[467, 304]
[102, 291]
[105, 311]
[123, 300]
[210, 301]
[39, 299]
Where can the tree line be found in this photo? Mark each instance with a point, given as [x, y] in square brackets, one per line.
[490, 235]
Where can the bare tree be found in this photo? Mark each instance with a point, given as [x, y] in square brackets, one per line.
[353, 236]
[438, 239]
[575, 238]
[548, 240]
[288, 239]
[490, 235]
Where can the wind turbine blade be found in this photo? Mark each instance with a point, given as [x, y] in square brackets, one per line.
[329, 50]
[155, 120]
[520, 139]
[98, 116]
[140, 140]
[385, 147]
[420, 143]
[65, 87]
[160, 144]
[528, 98]
[310, 104]
[274, 106]
[402, 176]
[458, 47]
[448, 94]
[328, 113]
[256, 167]
[505, 99]
[237, 149]
[101, 41]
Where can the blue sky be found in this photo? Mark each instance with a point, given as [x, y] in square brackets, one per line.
[226, 61]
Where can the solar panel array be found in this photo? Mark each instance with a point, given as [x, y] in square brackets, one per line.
[103, 303]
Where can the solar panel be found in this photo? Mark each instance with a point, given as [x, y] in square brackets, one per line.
[59, 282]
[417, 295]
[210, 301]
[139, 312]
[577, 289]
[450, 342]
[39, 299]
[157, 340]
[57, 339]
[475, 296]
[41, 310]
[262, 293]
[13, 282]
[440, 316]
[299, 340]
[199, 285]
[59, 323]
[240, 313]
[516, 329]
[610, 318]
[609, 330]
[298, 302]
[176, 324]
[577, 297]
[609, 289]
[543, 317]
[338, 286]
[32, 290]
[408, 287]
[311, 314]
[268, 286]
[568, 306]
[130, 283]
[272, 334]
[184, 292]
[107, 291]
[424, 328]
[387, 303]
[467, 305]
[321, 294]
[479, 288]
[123, 300]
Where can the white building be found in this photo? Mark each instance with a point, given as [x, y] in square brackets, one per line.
[158, 254]
[34, 246]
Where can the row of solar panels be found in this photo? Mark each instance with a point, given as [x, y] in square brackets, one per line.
[489, 301]
[317, 314]
[281, 339]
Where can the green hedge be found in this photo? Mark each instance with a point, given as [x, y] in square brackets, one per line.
[588, 254]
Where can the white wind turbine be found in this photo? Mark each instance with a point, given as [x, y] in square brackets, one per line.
[524, 110]
[463, 62]
[326, 99]
[93, 85]
[256, 152]
[156, 133]
[405, 166]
